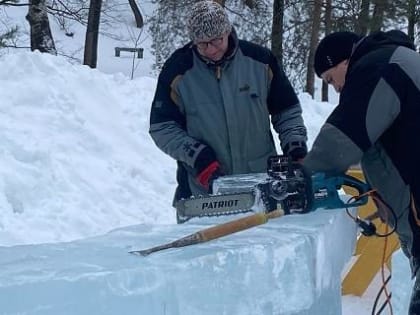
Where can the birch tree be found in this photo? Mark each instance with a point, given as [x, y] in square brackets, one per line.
[41, 36]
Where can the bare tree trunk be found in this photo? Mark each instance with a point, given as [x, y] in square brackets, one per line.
[137, 13]
[411, 15]
[91, 41]
[328, 23]
[41, 36]
[377, 20]
[316, 23]
[363, 19]
[277, 30]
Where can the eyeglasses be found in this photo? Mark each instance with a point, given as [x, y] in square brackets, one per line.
[215, 42]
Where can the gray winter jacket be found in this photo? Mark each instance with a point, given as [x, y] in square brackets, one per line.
[225, 107]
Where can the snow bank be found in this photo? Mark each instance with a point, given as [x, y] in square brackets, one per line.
[76, 159]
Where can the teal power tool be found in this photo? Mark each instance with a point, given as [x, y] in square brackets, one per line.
[326, 193]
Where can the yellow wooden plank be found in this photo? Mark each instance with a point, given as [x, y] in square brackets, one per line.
[369, 249]
[367, 265]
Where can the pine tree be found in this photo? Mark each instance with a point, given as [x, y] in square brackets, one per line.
[251, 19]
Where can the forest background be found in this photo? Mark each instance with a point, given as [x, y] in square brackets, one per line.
[292, 29]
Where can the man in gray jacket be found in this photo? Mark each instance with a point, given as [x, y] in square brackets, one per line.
[376, 123]
[213, 103]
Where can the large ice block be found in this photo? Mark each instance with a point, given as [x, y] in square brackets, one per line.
[289, 266]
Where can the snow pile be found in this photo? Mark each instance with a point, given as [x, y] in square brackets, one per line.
[76, 158]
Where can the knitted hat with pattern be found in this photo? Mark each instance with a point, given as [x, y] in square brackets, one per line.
[207, 20]
[333, 49]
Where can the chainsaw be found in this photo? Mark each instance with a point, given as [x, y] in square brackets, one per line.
[286, 185]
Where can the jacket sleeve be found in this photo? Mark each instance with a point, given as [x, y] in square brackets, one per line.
[168, 125]
[285, 110]
[368, 106]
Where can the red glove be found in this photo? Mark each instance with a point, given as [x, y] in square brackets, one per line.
[210, 173]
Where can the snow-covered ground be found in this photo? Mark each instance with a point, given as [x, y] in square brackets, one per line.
[76, 159]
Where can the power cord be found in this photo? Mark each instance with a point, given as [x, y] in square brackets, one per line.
[369, 229]
[384, 304]
[366, 226]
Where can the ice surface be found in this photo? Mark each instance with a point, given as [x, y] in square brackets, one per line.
[290, 265]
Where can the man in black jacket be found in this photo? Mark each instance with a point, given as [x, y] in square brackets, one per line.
[377, 123]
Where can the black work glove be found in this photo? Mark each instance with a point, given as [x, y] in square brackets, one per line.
[297, 150]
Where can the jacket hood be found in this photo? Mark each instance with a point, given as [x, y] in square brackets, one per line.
[378, 40]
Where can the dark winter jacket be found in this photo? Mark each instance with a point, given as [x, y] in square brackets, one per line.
[204, 111]
[377, 122]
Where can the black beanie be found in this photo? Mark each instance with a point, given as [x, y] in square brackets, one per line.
[333, 49]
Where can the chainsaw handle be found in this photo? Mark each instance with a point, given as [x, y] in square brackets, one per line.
[361, 187]
[330, 184]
